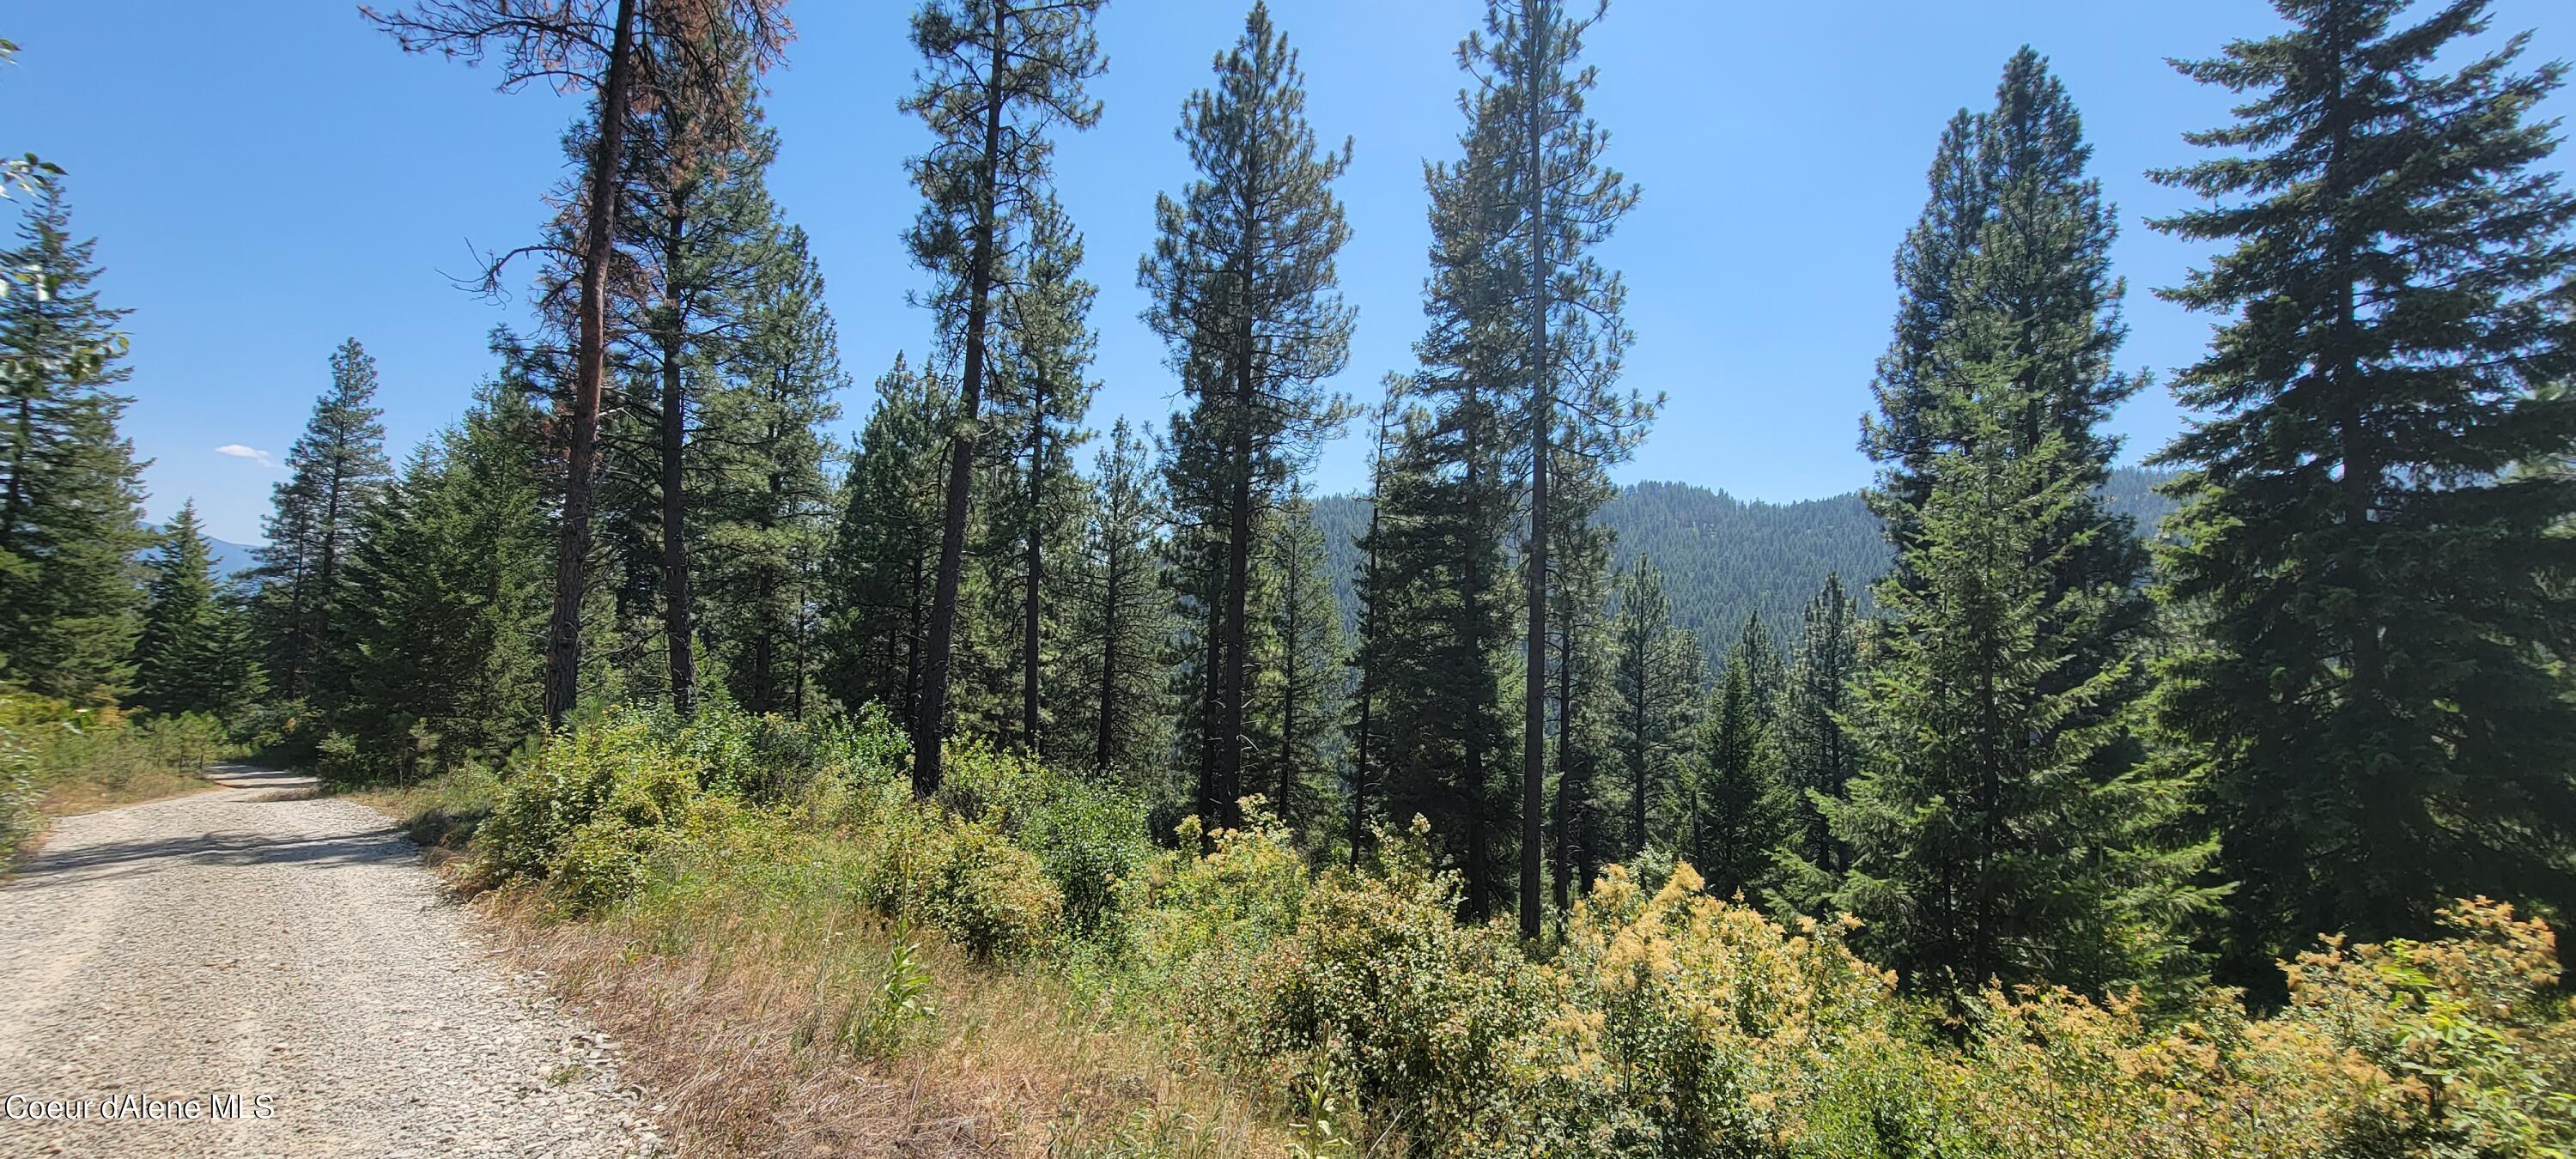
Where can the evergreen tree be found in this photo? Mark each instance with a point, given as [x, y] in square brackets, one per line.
[1657, 671]
[1739, 809]
[609, 50]
[1122, 620]
[69, 483]
[999, 74]
[1559, 306]
[2377, 694]
[336, 469]
[1818, 755]
[1440, 630]
[2002, 826]
[1375, 593]
[1243, 294]
[771, 511]
[883, 555]
[1579, 684]
[1040, 395]
[697, 217]
[445, 662]
[194, 653]
[1295, 729]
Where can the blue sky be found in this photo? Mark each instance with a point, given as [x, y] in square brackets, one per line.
[267, 179]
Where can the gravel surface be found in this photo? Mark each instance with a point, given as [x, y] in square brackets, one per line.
[256, 942]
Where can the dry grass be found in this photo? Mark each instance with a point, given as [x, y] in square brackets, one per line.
[124, 785]
[720, 1029]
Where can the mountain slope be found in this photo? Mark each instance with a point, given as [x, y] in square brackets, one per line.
[1723, 558]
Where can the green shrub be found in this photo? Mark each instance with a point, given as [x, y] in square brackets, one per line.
[990, 895]
[18, 817]
[1088, 836]
[592, 800]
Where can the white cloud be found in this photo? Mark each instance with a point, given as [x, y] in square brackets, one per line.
[254, 454]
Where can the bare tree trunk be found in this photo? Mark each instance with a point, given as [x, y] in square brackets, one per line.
[930, 708]
[572, 544]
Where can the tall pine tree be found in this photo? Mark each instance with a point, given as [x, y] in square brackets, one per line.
[336, 469]
[1243, 295]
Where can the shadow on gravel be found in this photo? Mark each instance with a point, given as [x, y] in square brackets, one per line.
[115, 859]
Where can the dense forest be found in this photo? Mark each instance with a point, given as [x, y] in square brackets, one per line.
[1703, 826]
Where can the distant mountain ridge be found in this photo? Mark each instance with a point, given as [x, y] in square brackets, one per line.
[229, 558]
[1725, 558]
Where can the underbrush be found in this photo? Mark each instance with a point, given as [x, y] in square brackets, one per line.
[56, 759]
[817, 960]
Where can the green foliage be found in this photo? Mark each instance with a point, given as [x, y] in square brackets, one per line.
[2375, 689]
[196, 652]
[337, 469]
[69, 485]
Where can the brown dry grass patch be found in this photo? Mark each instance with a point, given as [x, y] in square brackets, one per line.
[1009, 1065]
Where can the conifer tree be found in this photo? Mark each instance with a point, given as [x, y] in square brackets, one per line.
[1657, 670]
[884, 552]
[2001, 826]
[771, 512]
[1296, 716]
[1040, 395]
[1579, 682]
[1738, 807]
[1561, 308]
[1243, 295]
[69, 483]
[999, 74]
[1818, 754]
[446, 657]
[194, 652]
[1376, 593]
[606, 48]
[335, 469]
[1122, 620]
[2377, 695]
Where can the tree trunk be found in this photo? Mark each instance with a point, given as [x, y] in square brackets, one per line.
[1109, 629]
[1037, 524]
[678, 614]
[572, 543]
[930, 708]
[1534, 682]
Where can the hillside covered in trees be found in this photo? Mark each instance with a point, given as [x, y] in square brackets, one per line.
[1725, 559]
[2022, 803]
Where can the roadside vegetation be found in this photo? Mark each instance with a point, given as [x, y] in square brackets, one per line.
[803, 954]
[56, 759]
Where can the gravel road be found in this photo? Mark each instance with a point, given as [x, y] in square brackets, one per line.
[256, 942]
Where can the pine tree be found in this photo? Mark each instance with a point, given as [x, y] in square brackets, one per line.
[1243, 288]
[194, 653]
[1657, 671]
[1440, 630]
[2377, 696]
[69, 483]
[884, 552]
[445, 655]
[1554, 201]
[1580, 693]
[697, 217]
[1375, 592]
[2002, 826]
[1739, 810]
[1000, 74]
[770, 523]
[1818, 755]
[606, 48]
[1040, 394]
[1122, 619]
[336, 469]
[1295, 729]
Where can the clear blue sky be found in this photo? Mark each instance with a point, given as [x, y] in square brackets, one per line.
[269, 178]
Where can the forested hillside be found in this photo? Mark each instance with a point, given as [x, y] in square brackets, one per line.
[1724, 559]
[2005, 807]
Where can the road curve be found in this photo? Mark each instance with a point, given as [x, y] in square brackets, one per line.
[166, 967]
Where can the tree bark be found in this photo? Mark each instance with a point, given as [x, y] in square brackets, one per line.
[678, 615]
[1036, 528]
[1534, 682]
[930, 710]
[572, 543]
